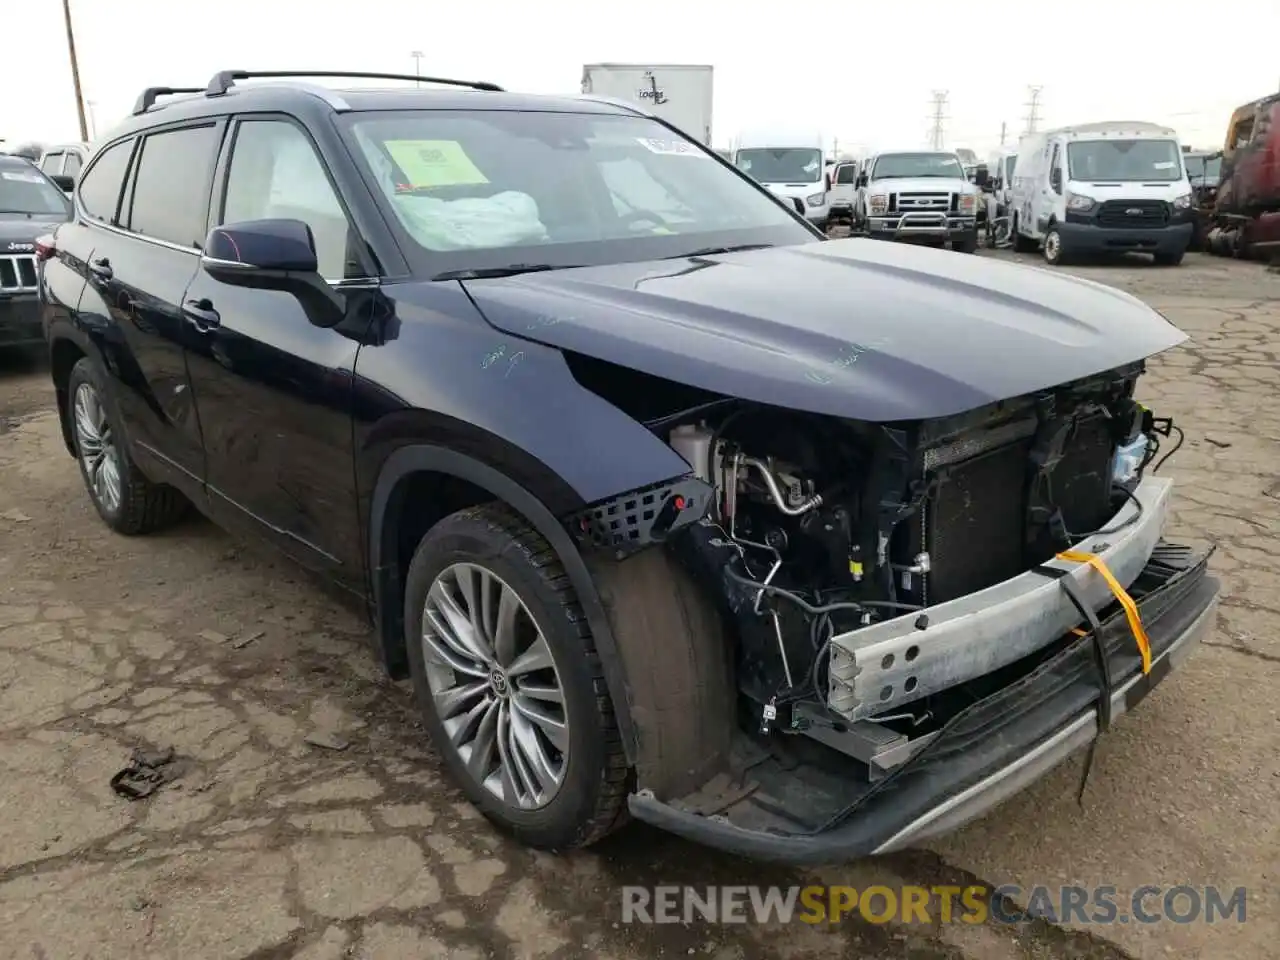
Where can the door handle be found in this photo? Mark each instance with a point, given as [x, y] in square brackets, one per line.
[201, 315]
[101, 268]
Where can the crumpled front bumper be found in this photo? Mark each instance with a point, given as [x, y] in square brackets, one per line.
[890, 664]
[992, 749]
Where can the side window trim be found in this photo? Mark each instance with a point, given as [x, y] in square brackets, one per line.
[219, 123]
[111, 220]
[222, 175]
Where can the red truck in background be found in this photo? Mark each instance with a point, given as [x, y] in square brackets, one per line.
[1246, 210]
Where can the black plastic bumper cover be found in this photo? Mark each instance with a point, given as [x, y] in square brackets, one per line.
[1001, 732]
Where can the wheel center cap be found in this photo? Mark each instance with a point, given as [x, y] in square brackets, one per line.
[498, 682]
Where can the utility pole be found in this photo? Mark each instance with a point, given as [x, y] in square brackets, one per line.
[93, 119]
[75, 70]
[417, 66]
[938, 118]
[1033, 109]
[1003, 125]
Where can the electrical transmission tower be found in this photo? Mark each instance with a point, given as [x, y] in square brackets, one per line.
[1033, 109]
[938, 118]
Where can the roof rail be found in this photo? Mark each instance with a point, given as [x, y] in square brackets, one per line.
[224, 80]
[151, 94]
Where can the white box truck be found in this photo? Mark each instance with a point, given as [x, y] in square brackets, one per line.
[678, 93]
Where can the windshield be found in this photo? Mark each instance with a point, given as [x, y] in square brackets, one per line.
[481, 190]
[782, 164]
[1200, 168]
[29, 191]
[917, 165]
[1151, 160]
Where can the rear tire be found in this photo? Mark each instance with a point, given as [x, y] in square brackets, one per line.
[578, 739]
[1021, 244]
[126, 500]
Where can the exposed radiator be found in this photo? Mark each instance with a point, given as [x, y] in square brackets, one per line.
[975, 524]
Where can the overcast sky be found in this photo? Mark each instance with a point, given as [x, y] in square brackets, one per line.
[864, 73]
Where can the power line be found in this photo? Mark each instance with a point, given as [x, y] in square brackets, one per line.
[1033, 109]
[938, 118]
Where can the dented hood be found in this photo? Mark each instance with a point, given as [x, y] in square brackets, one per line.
[855, 328]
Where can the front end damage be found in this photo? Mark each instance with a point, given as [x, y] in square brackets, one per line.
[909, 643]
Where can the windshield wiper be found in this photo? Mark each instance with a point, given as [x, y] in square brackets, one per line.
[713, 251]
[510, 270]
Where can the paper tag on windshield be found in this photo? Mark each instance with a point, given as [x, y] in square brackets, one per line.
[21, 176]
[435, 163]
[1164, 164]
[670, 148]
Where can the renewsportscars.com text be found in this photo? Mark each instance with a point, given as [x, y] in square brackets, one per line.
[926, 905]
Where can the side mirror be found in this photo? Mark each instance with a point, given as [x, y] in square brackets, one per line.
[1055, 179]
[265, 249]
[63, 182]
[798, 204]
[826, 177]
[862, 180]
[273, 255]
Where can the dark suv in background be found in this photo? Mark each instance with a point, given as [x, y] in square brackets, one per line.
[665, 503]
[30, 203]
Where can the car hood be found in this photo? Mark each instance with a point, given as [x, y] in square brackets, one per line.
[855, 328]
[21, 230]
[921, 185]
[793, 189]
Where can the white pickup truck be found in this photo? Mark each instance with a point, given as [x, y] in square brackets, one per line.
[918, 195]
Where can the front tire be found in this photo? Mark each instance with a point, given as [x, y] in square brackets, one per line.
[967, 244]
[126, 500]
[1169, 259]
[1054, 253]
[509, 683]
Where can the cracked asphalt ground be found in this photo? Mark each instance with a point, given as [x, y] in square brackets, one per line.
[269, 846]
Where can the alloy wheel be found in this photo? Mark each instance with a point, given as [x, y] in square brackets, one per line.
[99, 454]
[1052, 246]
[495, 686]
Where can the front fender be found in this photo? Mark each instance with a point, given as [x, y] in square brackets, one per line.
[388, 615]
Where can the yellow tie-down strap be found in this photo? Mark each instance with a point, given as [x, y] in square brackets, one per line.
[1130, 608]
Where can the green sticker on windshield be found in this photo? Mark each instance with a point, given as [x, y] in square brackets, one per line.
[434, 163]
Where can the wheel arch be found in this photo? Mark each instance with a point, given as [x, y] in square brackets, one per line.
[472, 481]
[66, 348]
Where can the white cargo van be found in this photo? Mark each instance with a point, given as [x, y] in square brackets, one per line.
[1000, 166]
[1102, 188]
[790, 165]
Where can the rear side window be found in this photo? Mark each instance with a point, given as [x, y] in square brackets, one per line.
[171, 190]
[846, 173]
[52, 163]
[72, 168]
[100, 187]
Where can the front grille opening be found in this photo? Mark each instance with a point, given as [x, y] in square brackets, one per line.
[17, 273]
[1133, 213]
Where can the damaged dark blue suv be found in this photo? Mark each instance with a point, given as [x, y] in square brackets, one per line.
[806, 549]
